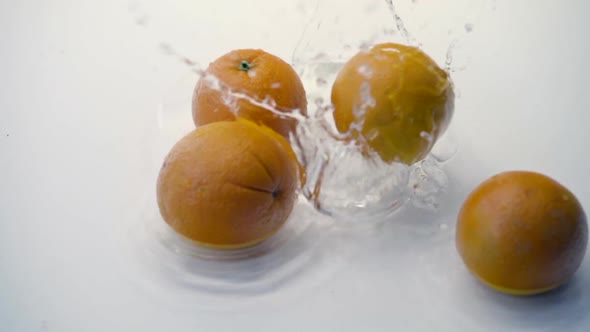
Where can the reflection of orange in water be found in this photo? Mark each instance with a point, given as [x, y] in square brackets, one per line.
[412, 101]
[259, 75]
[522, 233]
[228, 184]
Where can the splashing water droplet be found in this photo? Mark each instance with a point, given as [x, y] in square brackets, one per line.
[170, 51]
[449, 56]
[320, 81]
[399, 23]
[428, 181]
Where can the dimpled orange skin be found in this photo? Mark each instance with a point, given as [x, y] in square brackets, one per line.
[414, 100]
[522, 233]
[258, 75]
[228, 185]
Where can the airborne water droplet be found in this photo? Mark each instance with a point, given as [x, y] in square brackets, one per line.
[320, 81]
[399, 23]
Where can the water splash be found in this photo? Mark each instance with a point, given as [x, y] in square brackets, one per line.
[344, 181]
[347, 187]
[231, 96]
[449, 56]
[194, 66]
[228, 280]
[399, 23]
[428, 183]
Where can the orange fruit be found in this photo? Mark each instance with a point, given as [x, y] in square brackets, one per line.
[398, 96]
[258, 75]
[522, 233]
[228, 184]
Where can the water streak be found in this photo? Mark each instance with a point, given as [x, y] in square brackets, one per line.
[399, 23]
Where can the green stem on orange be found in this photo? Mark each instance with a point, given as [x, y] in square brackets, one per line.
[245, 65]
